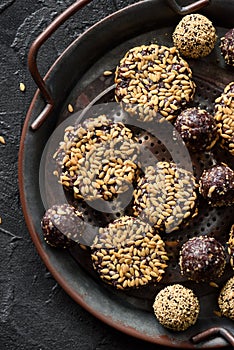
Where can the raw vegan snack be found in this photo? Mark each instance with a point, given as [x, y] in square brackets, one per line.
[202, 259]
[165, 196]
[153, 82]
[176, 307]
[216, 185]
[62, 226]
[129, 253]
[231, 246]
[195, 36]
[197, 128]
[226, 299]
[224, 115]
[97, 159]
[227, 47]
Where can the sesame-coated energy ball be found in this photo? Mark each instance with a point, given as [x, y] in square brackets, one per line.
[176, 307]
[226, 299]
[194, 36]
[227, 47]
[197, 128]
[202, 259]
[216, 185]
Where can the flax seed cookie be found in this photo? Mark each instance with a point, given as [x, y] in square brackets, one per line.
[97, 159]
[166, 196]
[224, 115]
[153, 82]
[216, 185]
[202, 259]
[226, 299]
[231, 246]
[227, 47]
[176, 307]
[195, 36]
[129, 253]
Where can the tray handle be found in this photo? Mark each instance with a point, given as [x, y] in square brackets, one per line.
[32, 59]
[183, 10]
[212, 333]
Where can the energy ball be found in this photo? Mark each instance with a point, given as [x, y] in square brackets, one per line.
[202, 259]
[129, 253]
[153, 82]
[194, 36]
[197, 128]
[224, 115]
[62, 226]
[226, 299]
[165, 196]
[176, 307]
[227, 47]
[231, 246]
[216, 185]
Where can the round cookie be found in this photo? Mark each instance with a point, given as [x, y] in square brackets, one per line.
[202, 259]
[194, 36]
[176, 307]
[153, 82]
[129, 253]
[166, 196]
[97, 159]
[224, 115]
[62, 226]
[226, 299]
[227, 47]
[231, 246]
[216, 185]
[197, 128]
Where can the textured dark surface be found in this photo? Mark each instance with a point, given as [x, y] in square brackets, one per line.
[35, 313]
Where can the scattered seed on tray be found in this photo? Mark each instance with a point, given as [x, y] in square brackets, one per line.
[176, 307]
[107, 73]
[166, 196]
[70, 108]
[224, 114]
[2, 140]
[99, 159]
[153, 82]
[22, 87]
[129, 253]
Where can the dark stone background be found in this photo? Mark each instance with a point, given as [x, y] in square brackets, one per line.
[35, 313]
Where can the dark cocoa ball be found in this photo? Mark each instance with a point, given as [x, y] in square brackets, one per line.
[202, 259]
[216, 185]
[62, 225]
[227, 47]
[197, 128]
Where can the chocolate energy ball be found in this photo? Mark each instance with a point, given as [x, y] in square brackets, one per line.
[194, 36]
[216, 185]
[197, 128]
[227, 47]
[176, 307]
[166, 196]
[98, 159]
[153, 82]
[231, 246]
[226, 299]
[129, 253]
[224, 115]
[202, 259]
[62, 226]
